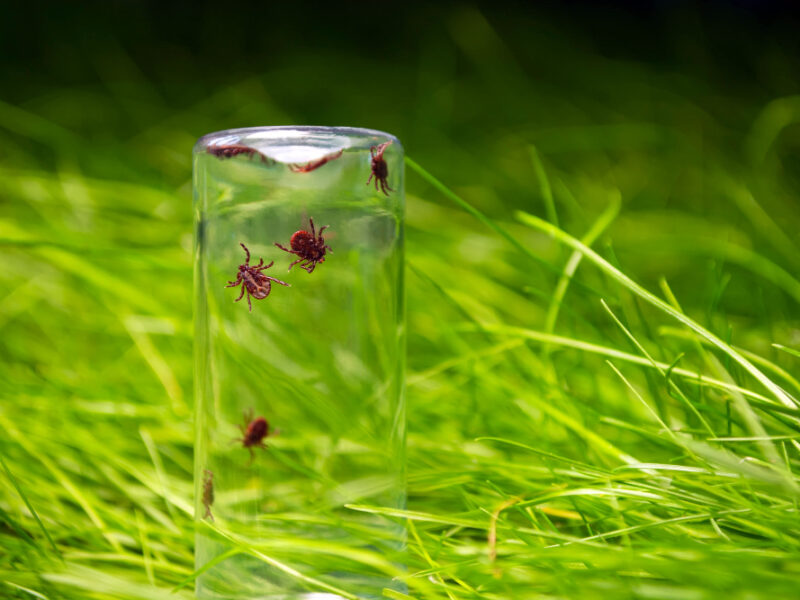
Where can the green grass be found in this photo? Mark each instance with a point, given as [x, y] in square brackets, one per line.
[604, 346]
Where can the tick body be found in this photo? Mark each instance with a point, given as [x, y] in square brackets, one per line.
[254, 430]
[314, 164]
[231, 150]
[380, 170]
[208, 493]
[254, 283]
[309, 247]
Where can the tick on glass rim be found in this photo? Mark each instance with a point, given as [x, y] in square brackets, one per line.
[254, 283]
[310, 247]
[208, 493]
[254, 430]
[314, 164]
[230, 150]
[380, 170]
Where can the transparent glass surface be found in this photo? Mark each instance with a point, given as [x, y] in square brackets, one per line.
[320, 361]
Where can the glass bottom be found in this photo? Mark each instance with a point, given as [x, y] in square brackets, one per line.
[287, 596]
[292, 596]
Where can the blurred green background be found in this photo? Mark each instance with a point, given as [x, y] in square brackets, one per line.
[561, 442]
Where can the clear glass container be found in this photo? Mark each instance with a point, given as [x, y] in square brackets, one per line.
[300, 412]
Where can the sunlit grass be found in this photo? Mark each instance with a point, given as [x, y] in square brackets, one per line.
[603, 347]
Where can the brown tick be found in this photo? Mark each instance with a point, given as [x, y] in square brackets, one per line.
[253, 281]
[231, 150]
[208, 493]
[253, 432]
[314, 164]
[380, 170]
[310, 247]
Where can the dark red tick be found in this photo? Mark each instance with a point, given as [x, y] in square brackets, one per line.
[310, 247]
[253, 432]
[208, 493]
[380, 170]
[314, 164]
[231, 150]
[253, 281]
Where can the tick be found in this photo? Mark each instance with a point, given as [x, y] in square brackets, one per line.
[314, 164]
[310, 247]
[254, 283]
[231, 150]
[253, 432]
[380, 170]
[208, 493]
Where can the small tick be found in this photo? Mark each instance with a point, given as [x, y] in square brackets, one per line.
[310, 247]
[380, 170]
[208, 493]
[253, 432]
[254, 283]
[231, 150]
[314, 164]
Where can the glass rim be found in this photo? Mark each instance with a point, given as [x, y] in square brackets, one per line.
[278, 133]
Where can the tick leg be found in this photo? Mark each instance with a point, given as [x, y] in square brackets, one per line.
[242, 294]
[295, 262]
[278, 281]
[259, 264]
[247, 260]
[249, 303]
[266, 266]
[311, 222]
[285, 249]
[370, 178]
[235, 283]
[323, 228]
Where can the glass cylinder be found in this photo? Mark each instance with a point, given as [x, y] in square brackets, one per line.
[299, 355]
